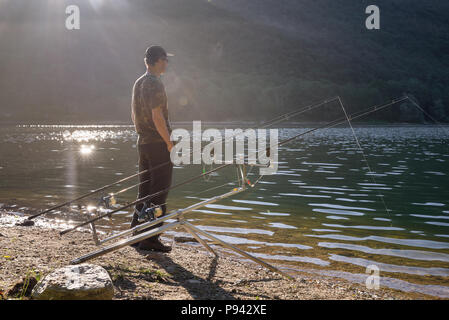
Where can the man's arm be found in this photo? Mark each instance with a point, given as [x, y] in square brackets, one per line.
[161, 126]
[154, 97]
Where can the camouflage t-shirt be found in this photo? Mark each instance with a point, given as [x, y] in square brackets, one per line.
[148, 93]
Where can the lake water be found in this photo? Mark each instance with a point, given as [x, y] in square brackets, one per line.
[323, 211]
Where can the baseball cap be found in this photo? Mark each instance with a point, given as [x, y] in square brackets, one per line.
[155, 52]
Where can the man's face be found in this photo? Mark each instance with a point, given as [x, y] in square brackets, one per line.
[161, 64]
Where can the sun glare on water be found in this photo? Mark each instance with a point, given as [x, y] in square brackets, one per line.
[91, 208]
[86, 149]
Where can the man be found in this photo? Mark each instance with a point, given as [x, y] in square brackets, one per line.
[150, 118]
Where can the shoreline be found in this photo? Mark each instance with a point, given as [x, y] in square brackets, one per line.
[187, 272]
[220, 124]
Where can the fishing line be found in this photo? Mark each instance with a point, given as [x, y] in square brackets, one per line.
[197, 193]
[336, 122]
[333, 124]
[86, 195]
[329, 125]
[444, 129]
[356, 115]
[427, 114]
[266, 124]
[275, 120]
[144, 199]
[128, 188]
[365, 158]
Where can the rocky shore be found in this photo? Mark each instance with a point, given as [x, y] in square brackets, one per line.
[187, 272]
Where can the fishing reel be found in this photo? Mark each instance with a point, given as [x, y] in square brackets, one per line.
[149, 212]
[107, 201]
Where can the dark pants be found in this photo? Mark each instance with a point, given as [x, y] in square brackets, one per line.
[151, 156]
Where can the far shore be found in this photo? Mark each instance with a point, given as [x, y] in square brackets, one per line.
[220, 124]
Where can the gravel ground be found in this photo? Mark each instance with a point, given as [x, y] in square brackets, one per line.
[188, 272]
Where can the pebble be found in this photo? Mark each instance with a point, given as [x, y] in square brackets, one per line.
[184, 239]
[193, 281]
[171, 269]
[26, 223]
[155, 256]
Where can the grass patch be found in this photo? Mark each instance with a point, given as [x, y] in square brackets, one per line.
[24, 288]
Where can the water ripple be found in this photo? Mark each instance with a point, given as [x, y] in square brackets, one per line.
[235, 230]
[364, 227]
[336, 206]
[342, 212]
[291, 258]
[405, 242]
[409, 254]
[385, 267]
[262, 203]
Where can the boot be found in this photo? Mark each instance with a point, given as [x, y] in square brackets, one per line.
[152, 243]
[155, 244]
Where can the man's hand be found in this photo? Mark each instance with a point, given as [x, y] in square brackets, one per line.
[161, 127]
[170, 146]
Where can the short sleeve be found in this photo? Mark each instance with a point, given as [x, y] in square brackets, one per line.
[153, 94]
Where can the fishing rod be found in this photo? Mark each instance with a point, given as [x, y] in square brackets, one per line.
[143, 199]
[353, 116]
[86, 195]
[331, 124]
[294, 113]
[264, 125]
[106, 200]
[339, 121]
[178, 215]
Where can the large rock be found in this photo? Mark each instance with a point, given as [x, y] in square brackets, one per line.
[77, 282]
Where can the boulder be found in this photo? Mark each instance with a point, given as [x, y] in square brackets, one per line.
[75, 282]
